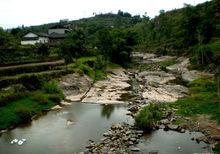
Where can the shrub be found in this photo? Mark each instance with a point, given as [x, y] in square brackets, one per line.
[24, 114]
[40, 97]
[87, 70]
[148, 116]
[100, 75]
[43, 50]
[12, 93]
[51, 87]
[101, 63]
[56, 98]
[32, 82]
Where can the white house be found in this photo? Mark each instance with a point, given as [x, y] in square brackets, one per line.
[34, 38]
[55, 35]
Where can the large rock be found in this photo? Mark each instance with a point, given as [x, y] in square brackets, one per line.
[57, 107]
[165, 93]
[135, 149]
[189, 76]
[75, 84]
[159, 77]
[75, 98]
[142, 56]
[109, 91]
[162, 58]
[180, 67]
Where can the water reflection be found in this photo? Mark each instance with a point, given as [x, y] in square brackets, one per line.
[107, 110]
[52, 134]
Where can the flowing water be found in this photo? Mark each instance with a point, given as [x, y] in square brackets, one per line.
[51, 134]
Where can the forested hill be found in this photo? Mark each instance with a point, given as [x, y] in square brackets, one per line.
[192, 31]
[89, 25]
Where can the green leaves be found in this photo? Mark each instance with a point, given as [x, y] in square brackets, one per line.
[116, 44]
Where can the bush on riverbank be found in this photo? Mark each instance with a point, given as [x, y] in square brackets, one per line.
[21, 110]
[148, 116]
[24, 114]
[12, 93]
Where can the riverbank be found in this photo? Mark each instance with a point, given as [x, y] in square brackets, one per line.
[175, 87]
[135, 89]
[22, 110]
[197, 106]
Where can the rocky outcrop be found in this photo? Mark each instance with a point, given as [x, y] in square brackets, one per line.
[75, 86]
[156, 86]
[158, 77]
[181, 68]
[109, 91]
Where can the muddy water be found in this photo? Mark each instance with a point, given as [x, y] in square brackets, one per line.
[51, 134]
[172, 142]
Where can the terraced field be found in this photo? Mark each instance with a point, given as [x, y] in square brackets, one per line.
[20, 73]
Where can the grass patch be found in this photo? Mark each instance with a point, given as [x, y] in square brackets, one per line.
[86, 69]
[203, 99]
[112, 66]
[148, 116]
[167, 63]
[21, 110]
[12, 93]
[100, 75]
[51, 87]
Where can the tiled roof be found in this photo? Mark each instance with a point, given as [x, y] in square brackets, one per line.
[57, 36]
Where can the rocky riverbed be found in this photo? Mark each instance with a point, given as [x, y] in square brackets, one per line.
[136, 89]
[121, 138]
[109, 91]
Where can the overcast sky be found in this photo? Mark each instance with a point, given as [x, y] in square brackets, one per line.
[15, 13]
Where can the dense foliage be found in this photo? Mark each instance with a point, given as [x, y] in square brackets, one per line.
[192, 30]
[116, 44]
[148, 116]
[21, 110]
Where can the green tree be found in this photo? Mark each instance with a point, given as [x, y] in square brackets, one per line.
[43, 50]
[73, 46]
[116, 44]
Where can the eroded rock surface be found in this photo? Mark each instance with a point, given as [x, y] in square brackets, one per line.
[109, 91]
[165, 93]
[75, 86]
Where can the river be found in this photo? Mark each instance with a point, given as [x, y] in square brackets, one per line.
[51, 134]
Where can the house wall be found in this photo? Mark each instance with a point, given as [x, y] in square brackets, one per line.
[58, 31]
[33, 42]
[43, 40]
